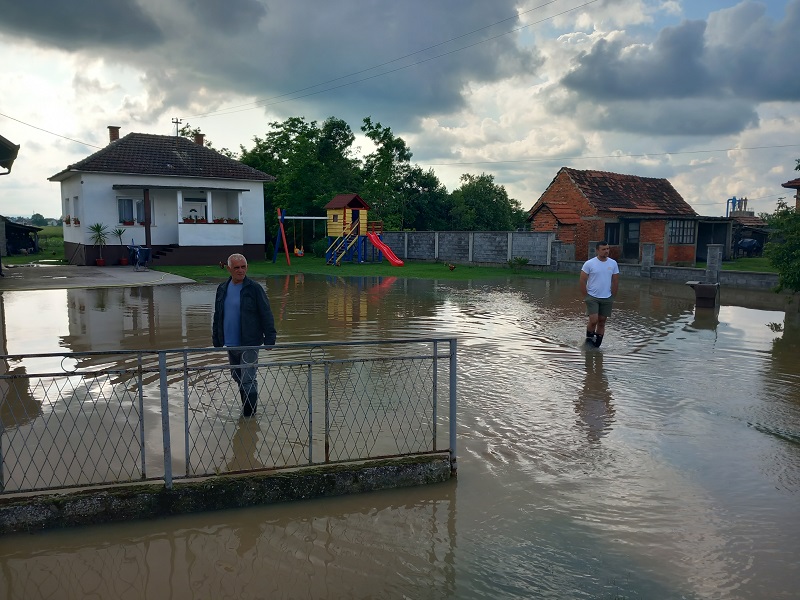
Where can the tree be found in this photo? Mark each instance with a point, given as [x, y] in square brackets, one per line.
[188, 131]
[426, 203]
[38, 220]
[481, 205]
[783, 247]
[310, 164]
[385, 171]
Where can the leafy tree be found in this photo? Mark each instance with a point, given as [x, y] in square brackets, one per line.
[38, 220]
[310, 164]
[188, 131]
[783, 247]
[481, 205]
[426, 201]
[385, 172]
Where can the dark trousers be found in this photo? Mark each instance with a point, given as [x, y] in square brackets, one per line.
[244, 373]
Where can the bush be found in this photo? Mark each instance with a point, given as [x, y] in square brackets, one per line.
[319, 247]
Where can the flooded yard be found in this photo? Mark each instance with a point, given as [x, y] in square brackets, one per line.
[665, 464]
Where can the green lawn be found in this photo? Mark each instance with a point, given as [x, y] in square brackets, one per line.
[312, 265]
[758, 264]
[51, 242]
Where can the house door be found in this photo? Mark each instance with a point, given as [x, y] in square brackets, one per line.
[630, 240]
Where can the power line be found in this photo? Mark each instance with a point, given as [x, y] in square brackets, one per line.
[50, 132]
[266, 102]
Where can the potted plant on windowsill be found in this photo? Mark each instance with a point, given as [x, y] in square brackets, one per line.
[98, 234]
[219, 220]
[119, 232]
[67, 220]
[231, 220]
[128, 223]
[76, 221]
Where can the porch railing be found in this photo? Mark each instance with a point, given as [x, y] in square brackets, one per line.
[75, 420]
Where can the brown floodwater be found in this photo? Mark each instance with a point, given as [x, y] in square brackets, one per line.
[664, 465]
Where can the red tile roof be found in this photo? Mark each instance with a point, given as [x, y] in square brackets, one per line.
[751, 222]
[612, 192]
[563, 213]
[793, 184]
[347, 201]
[147, 154]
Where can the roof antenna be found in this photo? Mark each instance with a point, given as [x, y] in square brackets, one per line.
[177, 122]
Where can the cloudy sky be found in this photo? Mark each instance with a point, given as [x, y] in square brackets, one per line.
[702, 92]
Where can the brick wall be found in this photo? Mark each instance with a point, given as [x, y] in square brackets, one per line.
[652, 232]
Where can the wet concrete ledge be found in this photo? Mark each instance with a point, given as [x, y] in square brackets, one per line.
[151, 500]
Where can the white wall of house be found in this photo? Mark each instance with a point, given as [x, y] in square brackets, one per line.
[97, 202]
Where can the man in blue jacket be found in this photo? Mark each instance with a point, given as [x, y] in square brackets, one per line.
[243, 317]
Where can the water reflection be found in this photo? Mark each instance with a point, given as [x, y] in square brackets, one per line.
[695, 493]
[244, 446]
[594, 404]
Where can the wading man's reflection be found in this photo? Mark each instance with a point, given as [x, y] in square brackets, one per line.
[245, 446]
[594, 404]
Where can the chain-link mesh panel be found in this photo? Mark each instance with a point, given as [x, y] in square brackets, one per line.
[381, 407]
[106, 419]
[62, 431]
[222, 439]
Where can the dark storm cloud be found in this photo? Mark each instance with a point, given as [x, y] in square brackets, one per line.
[317, 59]
[672, 68]
[76, 24]
[697, 78]
[739, 51]
[350, 58]
[230, 17]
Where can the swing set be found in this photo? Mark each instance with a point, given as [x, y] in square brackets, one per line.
[281, 235]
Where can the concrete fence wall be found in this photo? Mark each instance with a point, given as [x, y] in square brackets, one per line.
[544, 252]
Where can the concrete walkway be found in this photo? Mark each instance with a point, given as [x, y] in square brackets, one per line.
[48, 277]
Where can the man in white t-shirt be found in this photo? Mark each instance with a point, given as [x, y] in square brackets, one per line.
[599, 283]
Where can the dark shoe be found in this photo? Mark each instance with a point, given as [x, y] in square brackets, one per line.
[598, 340]
[590, 337]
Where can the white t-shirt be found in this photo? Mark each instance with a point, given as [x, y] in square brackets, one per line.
[600, 273]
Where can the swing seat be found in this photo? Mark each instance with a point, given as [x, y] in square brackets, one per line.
[298, 252]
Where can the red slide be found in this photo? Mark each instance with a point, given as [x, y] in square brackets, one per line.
[387, 252]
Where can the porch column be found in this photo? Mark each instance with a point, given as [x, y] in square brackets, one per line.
[209, 207]
[239, 214]
[179, 196]
[147, 208]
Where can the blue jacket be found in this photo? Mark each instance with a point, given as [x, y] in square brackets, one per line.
[257, 322]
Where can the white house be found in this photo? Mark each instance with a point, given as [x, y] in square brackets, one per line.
[190, 204]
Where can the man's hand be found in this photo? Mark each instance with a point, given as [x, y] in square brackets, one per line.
[583, 280]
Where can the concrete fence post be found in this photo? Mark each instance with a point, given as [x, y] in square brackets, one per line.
[713, 263]
[555, 254]
[648, 258]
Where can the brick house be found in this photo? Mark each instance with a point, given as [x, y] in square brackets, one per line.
[582, 207]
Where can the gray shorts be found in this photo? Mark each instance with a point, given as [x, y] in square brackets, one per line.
[599, 306]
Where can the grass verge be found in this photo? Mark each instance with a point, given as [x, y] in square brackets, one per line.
[311, 265]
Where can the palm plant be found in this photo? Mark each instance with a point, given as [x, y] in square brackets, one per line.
[118, 233]
[98, 234]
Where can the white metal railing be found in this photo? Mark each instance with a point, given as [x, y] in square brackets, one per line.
[71, 420]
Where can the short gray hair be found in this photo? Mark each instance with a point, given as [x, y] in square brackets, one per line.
[237, 257]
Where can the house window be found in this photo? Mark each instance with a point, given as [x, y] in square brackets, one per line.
[130, 209]
[612, 234]
[681, 232]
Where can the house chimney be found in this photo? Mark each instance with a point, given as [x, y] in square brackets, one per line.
[198, 138]
[113, 133]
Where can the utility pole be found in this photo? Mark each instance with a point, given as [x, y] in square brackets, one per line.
[177, 122]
